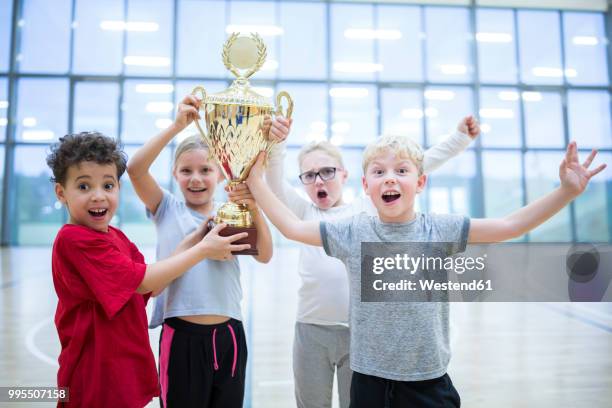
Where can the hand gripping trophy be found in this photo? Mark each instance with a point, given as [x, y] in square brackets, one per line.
[235, 127]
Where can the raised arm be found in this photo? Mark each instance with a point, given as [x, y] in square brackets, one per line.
[286, 221]
[275, 168]
[149, 192]
[275, 177]
[574, 179]
[467, 130]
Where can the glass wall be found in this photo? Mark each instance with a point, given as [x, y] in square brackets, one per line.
[356, 70]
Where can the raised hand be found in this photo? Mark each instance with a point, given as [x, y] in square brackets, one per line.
[257, 170]
[280, 129]
[240, 194]
[575, 176]
[470, 126]
[277, 129]
[187, 111]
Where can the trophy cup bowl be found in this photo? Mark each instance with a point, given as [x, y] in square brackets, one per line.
[236, 128]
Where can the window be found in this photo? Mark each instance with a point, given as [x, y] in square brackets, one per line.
[503, 192]
[450, 188]
[540, 50]
[352, 49]
[2, 197]
[96, 108]
[6, 14]
[42, 109]
[303, 50]
[353, 114]
[402, 112]
[39, 213]
[445, 107]
[496, 41]
[589, 118]
[149, 44]
[98, 37]
[543, 119]
[448, 44]
[399, 28]
[45, 36]
[199, 46]
[4, 105]
[309, 118]
[147, 107]
[585, 49]
[500, 117]
[355, 70]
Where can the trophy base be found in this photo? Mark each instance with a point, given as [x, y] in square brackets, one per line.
[232, 230]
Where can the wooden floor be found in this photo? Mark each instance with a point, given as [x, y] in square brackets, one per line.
[504, 355]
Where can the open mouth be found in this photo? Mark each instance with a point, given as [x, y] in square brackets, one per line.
[98, 213]
[322, 194]
[197, 190]
[390, 196]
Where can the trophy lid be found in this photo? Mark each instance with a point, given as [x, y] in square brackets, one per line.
[242, 56]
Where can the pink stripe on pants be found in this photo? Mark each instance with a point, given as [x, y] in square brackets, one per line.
[164, 357]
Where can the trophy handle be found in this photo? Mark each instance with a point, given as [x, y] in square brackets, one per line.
[279, 111]
[202, 96]
[279, 105]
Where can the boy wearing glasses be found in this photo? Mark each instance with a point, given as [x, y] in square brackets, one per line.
[321, 342]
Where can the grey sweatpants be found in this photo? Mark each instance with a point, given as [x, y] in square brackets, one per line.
[318, 352]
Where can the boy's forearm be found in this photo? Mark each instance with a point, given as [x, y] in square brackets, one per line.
[276, 211]
[533, 214]
[144, 157]
[160, 274]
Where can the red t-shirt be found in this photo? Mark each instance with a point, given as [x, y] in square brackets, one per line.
[106, 359]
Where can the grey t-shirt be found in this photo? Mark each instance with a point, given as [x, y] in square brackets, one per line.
[210, 287]
[397, 341]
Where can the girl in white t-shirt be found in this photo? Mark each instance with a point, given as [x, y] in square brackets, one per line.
[321, 342]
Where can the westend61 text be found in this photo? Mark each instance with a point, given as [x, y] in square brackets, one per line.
[431, 285]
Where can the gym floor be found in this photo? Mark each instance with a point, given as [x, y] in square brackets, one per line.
[504, 354]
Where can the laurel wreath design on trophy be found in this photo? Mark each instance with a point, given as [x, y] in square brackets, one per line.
[262, 53]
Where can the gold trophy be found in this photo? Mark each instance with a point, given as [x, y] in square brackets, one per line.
[236, 132]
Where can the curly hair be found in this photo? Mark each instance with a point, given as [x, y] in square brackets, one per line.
[73, 149]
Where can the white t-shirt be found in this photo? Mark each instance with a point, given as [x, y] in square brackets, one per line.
[323, 296]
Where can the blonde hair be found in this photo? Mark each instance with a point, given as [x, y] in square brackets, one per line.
[192, 142]
[400, 145]
[322, 146]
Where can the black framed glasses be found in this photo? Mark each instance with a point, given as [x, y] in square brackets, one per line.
[325, 173]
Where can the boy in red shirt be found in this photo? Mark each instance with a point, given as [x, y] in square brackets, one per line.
[102, 281]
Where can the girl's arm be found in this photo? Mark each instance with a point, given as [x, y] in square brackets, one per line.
[467, 130]
[240, 194]
[149, 192]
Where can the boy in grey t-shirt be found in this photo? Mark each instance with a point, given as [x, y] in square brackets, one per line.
[400, 352]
